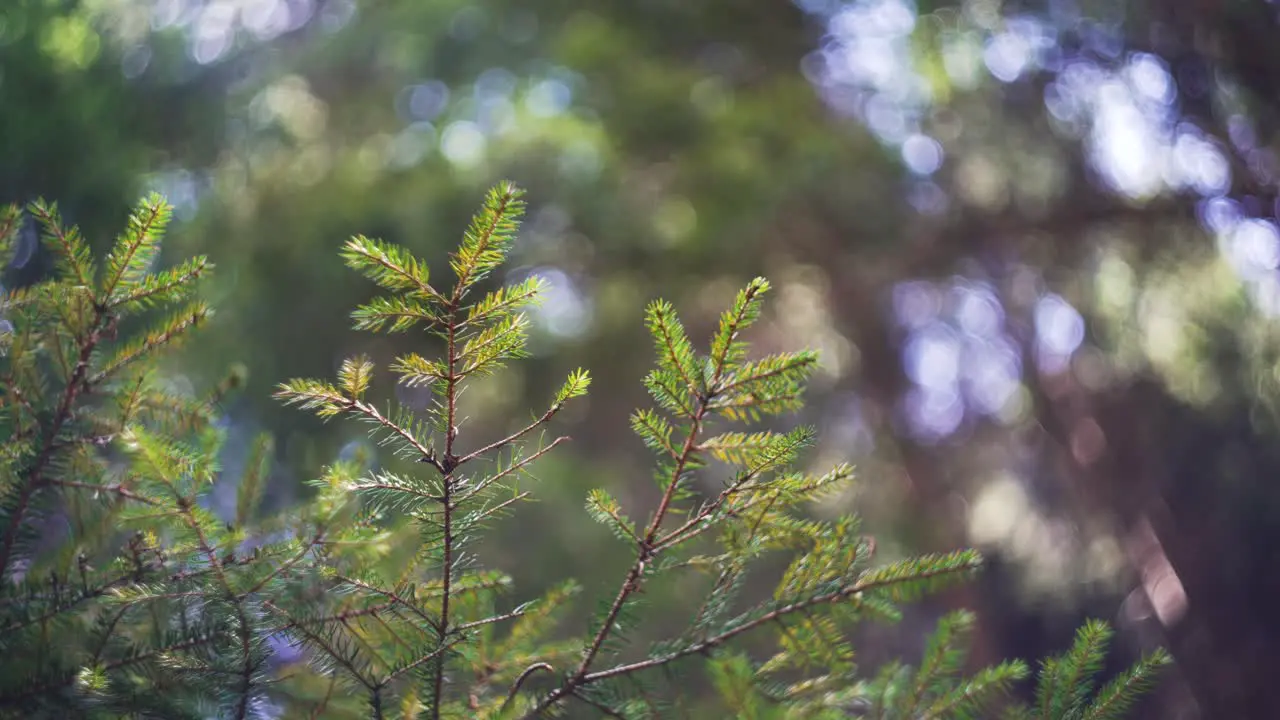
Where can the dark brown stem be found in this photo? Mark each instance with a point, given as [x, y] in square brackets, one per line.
[449, 463]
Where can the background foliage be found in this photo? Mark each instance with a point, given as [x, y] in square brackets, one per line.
[1035, 242]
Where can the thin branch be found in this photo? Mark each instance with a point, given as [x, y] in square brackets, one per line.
[359, 638]
[59, 609]
[510, 302]
[720, 361]
[114, 489]
[528, 672]
[116, 665]
[775, 615]
[390, 595]
[144, 229]
[285, 566]
[676, 535]
[178, 281]
[481, 515]
[401, 488]
[497, 444]
[425, 658]
[337, 617]
[739, 382]
[245, 633]
[428, 454]
[106, 636]
[151, 343]
[480, 486]
[424, 288]
[772, 616]
[395, 636]
[675, 359]
[490, 620]
[332, 652]
[234, 562]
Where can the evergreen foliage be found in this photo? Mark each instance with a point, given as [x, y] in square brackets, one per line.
[126, 593]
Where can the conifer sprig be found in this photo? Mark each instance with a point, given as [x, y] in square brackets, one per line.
[1065, 684]
[176, 595]
[479, 338]
[751, 510]
[89, 309]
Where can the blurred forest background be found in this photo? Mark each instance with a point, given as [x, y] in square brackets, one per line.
[1035, 241]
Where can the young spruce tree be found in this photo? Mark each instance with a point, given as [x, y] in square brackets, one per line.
[124, 594]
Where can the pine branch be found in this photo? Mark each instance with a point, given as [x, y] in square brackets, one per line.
[169, 286]
[67, 606]
[504, 300]
[35, 476]
[717, 640]
[284, 567]
[68, 679]
[329, 401]
[389, 266]
[171, 330]
[426, 658]
[73, 255]
[645, 553]
[504, 442]
[1120, 694]
[10, 216]
[522, 677]
[331, 652]
[675, 353]
[185, 504]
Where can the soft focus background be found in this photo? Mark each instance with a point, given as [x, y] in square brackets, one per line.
[1035, 242]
